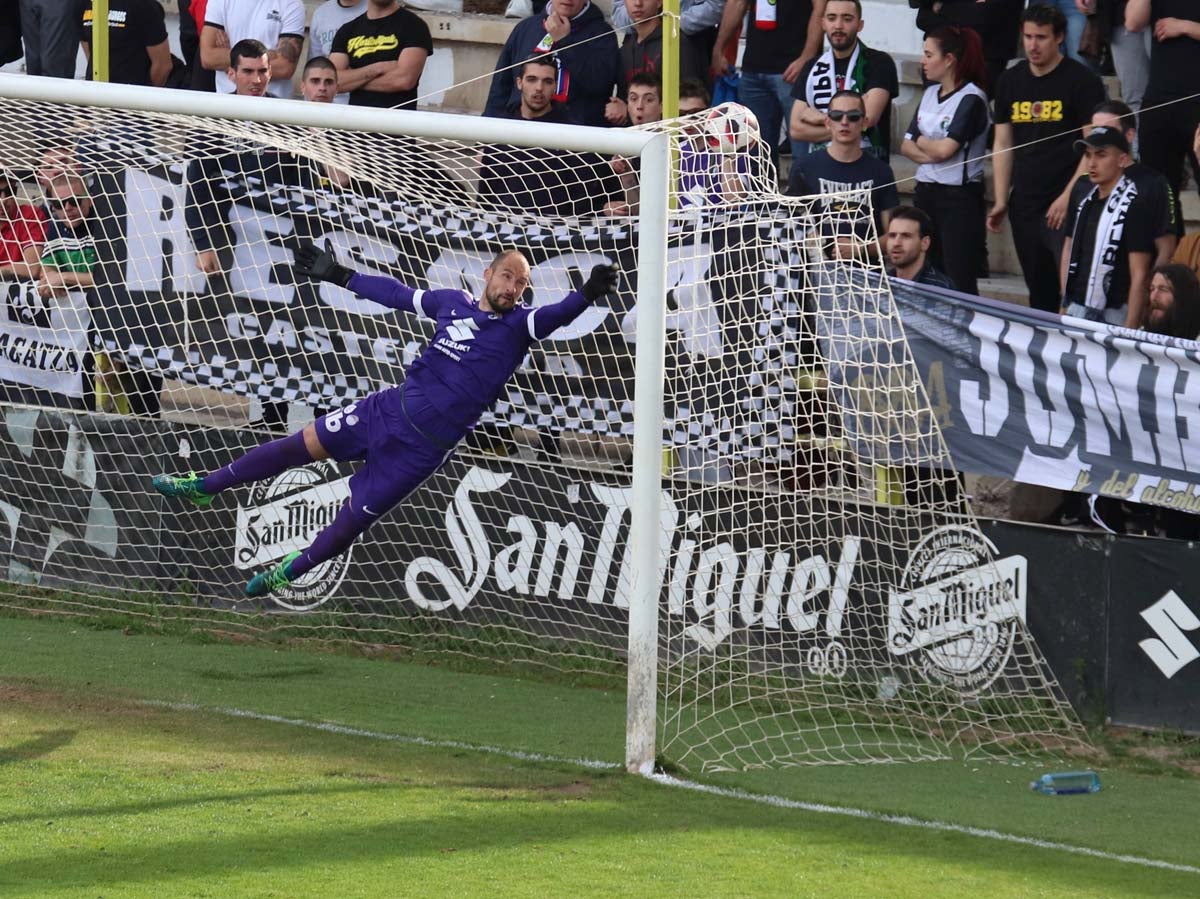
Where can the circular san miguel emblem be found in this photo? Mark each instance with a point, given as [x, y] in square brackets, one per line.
[285, 514]
[957, 609]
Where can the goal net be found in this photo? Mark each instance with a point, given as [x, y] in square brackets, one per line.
[824, 594]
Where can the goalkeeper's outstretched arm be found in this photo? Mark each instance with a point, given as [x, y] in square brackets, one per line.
[545, 320]
[320, 265]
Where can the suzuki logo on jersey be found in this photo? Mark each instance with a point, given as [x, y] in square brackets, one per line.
[462, 329]
[1172, 649]
[459, 334]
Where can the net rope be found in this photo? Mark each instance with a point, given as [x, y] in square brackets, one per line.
[805, 618]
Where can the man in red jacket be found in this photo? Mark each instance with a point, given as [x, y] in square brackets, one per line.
[22, 233]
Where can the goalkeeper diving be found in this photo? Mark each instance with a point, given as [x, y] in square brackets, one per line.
[406, 433]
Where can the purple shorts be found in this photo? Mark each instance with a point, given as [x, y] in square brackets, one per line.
[397, 458]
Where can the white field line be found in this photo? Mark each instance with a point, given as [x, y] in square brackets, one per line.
[344, 730]
[668, 781]
[906, 821]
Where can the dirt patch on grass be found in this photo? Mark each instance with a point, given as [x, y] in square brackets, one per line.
[1168, 756]
[362, 776]
[576, 789]
[1175, 752]
[46, 699]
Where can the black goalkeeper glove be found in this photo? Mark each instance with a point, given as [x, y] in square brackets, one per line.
[321, 266]
[603, 280]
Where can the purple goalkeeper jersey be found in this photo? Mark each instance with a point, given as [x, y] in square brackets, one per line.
[471, 356]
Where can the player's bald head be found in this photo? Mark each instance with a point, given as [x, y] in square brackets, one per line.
[505, 281]
[506, 255]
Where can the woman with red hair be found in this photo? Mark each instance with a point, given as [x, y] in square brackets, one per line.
[948, 140]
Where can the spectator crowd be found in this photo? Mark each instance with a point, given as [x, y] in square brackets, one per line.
[1088, 185]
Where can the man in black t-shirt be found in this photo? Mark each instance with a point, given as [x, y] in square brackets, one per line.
[1041, 104]
[138, 49]
[1161, 202]
[380, 56]
[780, 40]
[1166, 133]
[855, 177]
[848, 65]
[1107, 255]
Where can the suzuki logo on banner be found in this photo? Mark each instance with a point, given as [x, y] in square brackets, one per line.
[1169, 618]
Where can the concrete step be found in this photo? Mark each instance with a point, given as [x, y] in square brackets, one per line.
[1006, 288]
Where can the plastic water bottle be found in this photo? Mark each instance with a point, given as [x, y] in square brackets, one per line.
[1067, 783]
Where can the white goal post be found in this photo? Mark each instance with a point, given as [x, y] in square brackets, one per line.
[653, 149]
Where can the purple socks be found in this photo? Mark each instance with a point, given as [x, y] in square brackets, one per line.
[278, 456]
[333, 541]
[263, 461]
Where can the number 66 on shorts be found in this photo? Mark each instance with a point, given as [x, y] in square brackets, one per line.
[333, 421]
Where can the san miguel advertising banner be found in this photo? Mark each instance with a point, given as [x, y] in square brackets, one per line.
[488, 540]
[1061, 402]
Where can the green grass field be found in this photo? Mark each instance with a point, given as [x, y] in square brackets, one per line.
[105, 794]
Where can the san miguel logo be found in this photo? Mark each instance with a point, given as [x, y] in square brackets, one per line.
[711, 585]
[284, 515]
[958, 608]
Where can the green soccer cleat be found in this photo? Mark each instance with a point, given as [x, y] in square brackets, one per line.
[275, 579]
[189, 488]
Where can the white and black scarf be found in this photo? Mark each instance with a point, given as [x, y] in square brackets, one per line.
[1109, 229]
[822, 77]
[822, 84]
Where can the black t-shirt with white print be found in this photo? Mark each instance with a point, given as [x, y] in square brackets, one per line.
[865, 178]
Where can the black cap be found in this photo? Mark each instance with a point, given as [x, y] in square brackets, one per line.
[1104, 136]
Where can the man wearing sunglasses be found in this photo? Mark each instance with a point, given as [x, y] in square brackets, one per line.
[848, 64]
[862, 187]
[69, 254]
[69, 261]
